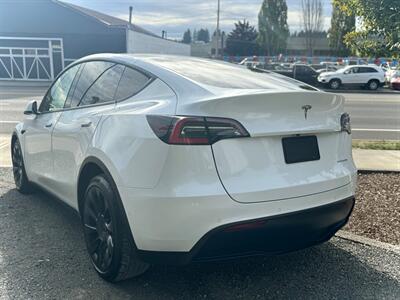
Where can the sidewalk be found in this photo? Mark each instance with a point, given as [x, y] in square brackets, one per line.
[366, 160]
[383, 160]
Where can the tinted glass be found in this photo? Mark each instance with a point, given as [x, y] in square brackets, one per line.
[90, 73]
[368, 70]
[104, 88]
[56, 96]
[301, 69]
[132, 81]
[218, 74]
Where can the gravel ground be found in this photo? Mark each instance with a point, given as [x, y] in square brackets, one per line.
[376, 214]
[43, 256]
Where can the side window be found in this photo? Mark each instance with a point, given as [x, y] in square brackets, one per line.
[56, 96]
[89, 73]
[132, 81]
[369, 70]
[104, 88]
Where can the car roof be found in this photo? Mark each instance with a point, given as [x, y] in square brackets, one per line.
[168, 69]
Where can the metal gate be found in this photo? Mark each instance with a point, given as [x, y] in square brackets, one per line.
[31, 60]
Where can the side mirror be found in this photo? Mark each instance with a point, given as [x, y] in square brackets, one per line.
[31, 108]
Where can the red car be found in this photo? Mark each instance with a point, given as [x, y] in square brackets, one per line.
[395, 81]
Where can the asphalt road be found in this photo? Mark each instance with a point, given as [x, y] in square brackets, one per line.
[374, 115]
[42, 256]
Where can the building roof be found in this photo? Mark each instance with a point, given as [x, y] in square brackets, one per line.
[106, 19]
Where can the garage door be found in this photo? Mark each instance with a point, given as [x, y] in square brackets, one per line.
[31, 59]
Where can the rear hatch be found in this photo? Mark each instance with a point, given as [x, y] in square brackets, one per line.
[296, 146]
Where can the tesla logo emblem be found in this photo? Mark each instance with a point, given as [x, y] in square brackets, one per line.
[306, 108]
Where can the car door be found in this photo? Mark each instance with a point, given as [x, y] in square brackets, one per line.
[38, 129]
[350, 76]
[93, 97]
[361, 77]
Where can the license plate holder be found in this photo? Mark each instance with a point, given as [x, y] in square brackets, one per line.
[300, 149]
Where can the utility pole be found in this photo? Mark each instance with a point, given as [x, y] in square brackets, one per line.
[130, 15]
[217, 33]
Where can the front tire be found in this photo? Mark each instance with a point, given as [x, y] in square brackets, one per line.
[334, 84]
[21, 180]
[108, 239]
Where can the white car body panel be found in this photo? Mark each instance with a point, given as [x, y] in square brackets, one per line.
[175, 194]
[38, 147]
[72, 136]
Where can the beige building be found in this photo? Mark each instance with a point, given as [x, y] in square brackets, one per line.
[297, 46]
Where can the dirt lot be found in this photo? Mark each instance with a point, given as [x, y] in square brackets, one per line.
[377, 211]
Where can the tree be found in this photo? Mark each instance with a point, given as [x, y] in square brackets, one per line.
[272, 26]
[311, 22]
[203, 35]
[195, 35]
[378, 30]
[187, 37]
[341, 24]
[242, 40]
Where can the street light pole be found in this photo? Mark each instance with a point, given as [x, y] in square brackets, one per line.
[217, 33]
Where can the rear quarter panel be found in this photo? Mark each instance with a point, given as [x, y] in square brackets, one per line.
[126, 144]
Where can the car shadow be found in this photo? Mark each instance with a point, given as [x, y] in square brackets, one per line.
[42, 255]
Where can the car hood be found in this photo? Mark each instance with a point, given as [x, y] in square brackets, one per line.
[327, 73]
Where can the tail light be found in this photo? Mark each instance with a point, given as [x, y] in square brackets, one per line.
[186, 130]
[345, 123]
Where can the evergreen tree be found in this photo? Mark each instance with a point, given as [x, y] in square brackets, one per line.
[341, 24]
[195, 35]
[203, 35]
[187, 37]
[242, 40]
[272, 26]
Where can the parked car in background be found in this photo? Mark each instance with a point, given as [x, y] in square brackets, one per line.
[395, 80]
[369, 76]
[250, 62]
[173, 159]
[301, 72]
[324, 68]
[390, 73]
[329, 63]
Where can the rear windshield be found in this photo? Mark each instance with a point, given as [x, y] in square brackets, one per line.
[218, 74]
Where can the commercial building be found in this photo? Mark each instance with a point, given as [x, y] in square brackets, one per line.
[39, 38]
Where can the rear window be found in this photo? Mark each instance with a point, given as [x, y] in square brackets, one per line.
[218, 74]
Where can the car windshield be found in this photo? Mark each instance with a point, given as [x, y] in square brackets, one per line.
[218, 74]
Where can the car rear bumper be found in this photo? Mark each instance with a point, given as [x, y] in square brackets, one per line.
[266, 236]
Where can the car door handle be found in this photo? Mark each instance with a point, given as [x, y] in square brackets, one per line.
[48, 125]
[88, 124]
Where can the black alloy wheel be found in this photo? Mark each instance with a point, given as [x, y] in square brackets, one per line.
[98, 228]
[21, 180]
[108, 238]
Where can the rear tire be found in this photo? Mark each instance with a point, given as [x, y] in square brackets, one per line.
[21, 180]
[334, 84]
[107, 234]
[373, 85]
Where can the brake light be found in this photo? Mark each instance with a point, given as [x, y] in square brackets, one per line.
[192, 130]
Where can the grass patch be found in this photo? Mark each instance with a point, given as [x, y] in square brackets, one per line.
[376, 145]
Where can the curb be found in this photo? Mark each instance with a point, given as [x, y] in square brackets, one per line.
[372, 171]
[345, 235]
[389, 92]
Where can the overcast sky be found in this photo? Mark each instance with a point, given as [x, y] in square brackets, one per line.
[176, 16]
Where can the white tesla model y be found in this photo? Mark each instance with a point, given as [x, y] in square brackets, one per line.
[176, 159]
